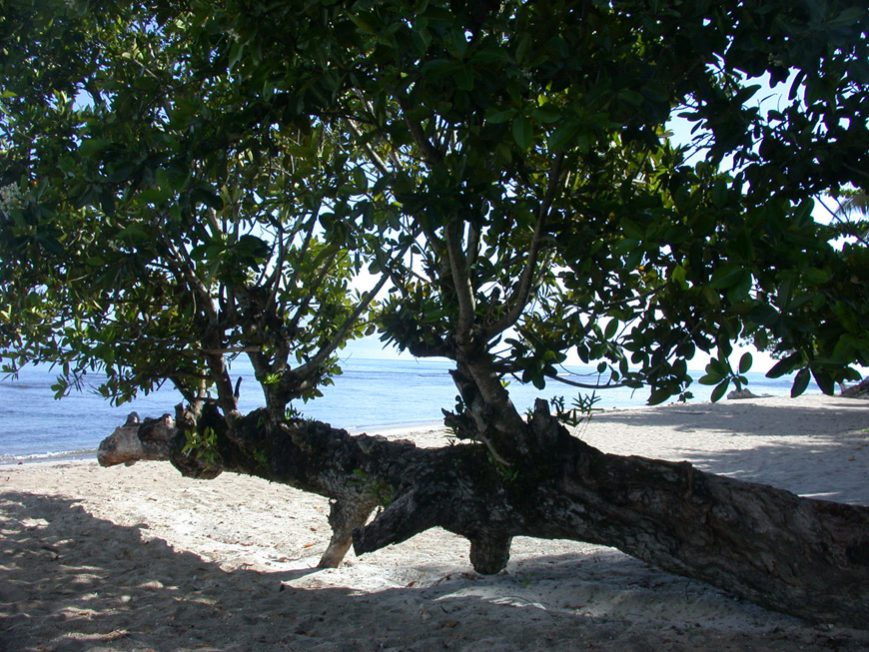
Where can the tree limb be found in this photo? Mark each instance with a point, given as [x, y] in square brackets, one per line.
[431, 154]
[373, 156]
[461, 283]
[802, 556]
[517, 302]
[341, 334]
[574, 383]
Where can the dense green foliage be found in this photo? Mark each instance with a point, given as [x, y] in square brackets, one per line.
[193, 180]
[151, 239]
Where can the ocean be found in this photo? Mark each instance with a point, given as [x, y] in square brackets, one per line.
[371, 394]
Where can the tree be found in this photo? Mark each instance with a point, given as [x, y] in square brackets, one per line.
[505, 168]
[170, 242]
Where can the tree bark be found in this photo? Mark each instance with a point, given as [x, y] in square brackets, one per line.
[809, 558]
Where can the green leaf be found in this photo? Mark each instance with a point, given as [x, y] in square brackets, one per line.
[745, 363]
[740, 290]
[523, 132]
[236, 51]
[499, 116]
[490, 55]
[456, 43]
[438, 68]
[801, 382]
[720, 390]
[631, 97]
[360, 180]
[764, 314]
[564, 136]
[365, 21]
[207, 196]
[726, 276]
[718, 366]
[626, 245]
[464, 78]
[136, 233]
[251, 250]
[547, 114]
[817, 276]
[848, 18]
[784, 366]
[824, 381]
[679, 275]
[659, 395]
[711, 378]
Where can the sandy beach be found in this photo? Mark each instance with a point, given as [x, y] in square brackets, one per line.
[140, 558]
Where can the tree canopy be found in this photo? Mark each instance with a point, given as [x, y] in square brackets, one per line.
[184, 182]
[190, 181]
[154, 238]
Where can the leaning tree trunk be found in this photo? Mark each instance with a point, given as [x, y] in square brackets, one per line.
[805, 557]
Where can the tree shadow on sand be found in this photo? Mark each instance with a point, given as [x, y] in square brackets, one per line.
[829, 469]
[70, 581]
[750, 418]
[829, 462]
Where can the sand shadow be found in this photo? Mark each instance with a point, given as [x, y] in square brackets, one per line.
[750, 417]
[830, 468]
[828, 461]
[70, 581]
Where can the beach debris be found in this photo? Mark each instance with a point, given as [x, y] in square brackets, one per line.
[860, 390]
[739, 394]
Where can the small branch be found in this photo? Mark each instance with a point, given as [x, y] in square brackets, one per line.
[461, 282]
[212, 334]
[430, 153]
[627, 300]
[186, 269]
[473, 245]
[312, 288]
[341, 334]
[275, 279]
[212, 220]
[225, 390]
[516, 304]
[575, 383]
[838, 216]
[303, 250]
[372, 155]
[232, 349]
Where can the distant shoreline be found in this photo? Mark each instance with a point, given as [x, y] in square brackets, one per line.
[365, 398]
[388, 430]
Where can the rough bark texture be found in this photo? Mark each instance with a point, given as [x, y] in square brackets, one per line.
[806, 557]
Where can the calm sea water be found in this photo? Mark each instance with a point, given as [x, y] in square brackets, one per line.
[372, 394]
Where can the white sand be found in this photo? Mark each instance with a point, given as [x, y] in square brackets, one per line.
[141, 558]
